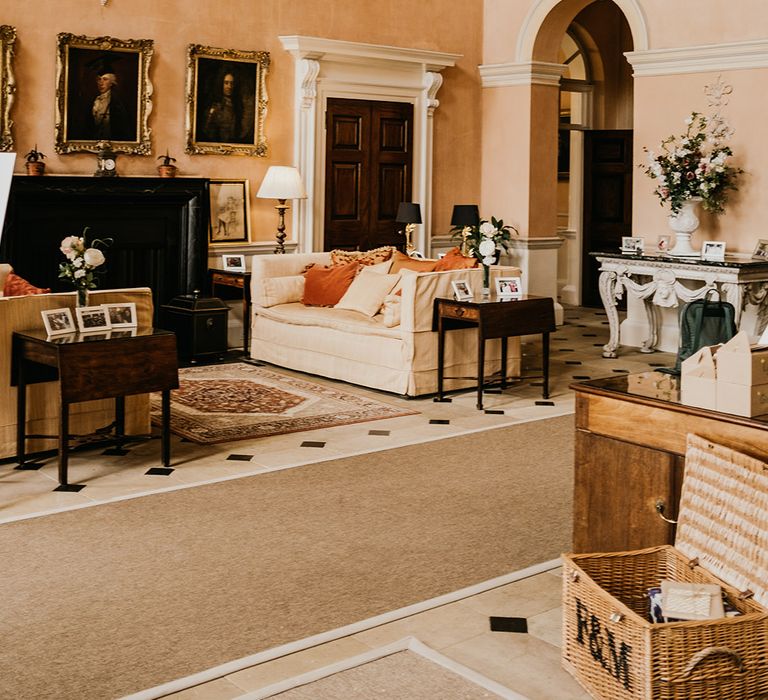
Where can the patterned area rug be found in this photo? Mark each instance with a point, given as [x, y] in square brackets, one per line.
[220, 403]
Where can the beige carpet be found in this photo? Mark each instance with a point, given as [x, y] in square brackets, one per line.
[240, 401]
[108, 600]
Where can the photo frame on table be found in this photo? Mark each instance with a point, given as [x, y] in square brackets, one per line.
[122, 315]
[713, 250]
[461, 290]
[92, 319]
[58, 321]
[664, 242]
[226, 101]
[632, 245]
[233, 263]
[509, 287]
[761, 249]
[103, 94]
[7, 85]
[230, 212]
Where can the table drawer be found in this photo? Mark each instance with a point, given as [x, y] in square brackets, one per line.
[227, 280]
[462, 312]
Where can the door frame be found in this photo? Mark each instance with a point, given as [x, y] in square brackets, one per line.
[327, 68]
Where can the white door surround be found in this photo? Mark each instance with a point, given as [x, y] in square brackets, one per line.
[327, 68]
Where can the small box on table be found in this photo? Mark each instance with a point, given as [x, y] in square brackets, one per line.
[742, 377]
[609, 643]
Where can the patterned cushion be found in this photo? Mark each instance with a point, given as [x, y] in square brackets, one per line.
[16, 286]
[364, 257]
[454, 260]
[324, 286]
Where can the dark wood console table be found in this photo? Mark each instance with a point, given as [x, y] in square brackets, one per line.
[229, 284]
[631, 436]
[494, 318]
[92, 366]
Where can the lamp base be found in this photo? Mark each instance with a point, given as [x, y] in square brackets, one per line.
[281, 207]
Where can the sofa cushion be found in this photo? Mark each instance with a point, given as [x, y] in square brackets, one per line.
[16, 286]
[454, 260]
[366, 294]
[342, 320]
[281, 290]
[324, 286]
[401, 261]
[390, 310]
[364, 257]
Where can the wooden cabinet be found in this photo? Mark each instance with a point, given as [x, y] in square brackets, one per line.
[631, 434]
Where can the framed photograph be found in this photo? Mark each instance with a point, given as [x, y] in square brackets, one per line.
[230, 212]
[632, 245]
[7, 85]
[461, 290]
[509, 287]
[122, 315]
[226, 101]
[713, 250]
[664, 242]
[92, 319]
[103, 94]
[58, 321]
[233, 263]
[761, 250]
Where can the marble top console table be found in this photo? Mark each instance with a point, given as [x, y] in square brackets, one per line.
[660, 281]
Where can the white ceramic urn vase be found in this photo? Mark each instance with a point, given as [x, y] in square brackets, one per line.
[683, 225]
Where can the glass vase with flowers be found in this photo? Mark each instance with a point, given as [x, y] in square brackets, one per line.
[82, 263]
[485, 242]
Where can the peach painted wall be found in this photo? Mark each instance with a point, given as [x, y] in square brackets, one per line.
[249, 25]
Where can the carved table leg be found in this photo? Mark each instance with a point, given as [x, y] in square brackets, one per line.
[607, 284]
[651, 311]
[734, 294]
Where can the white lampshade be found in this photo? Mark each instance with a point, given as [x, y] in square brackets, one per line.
[282, 182]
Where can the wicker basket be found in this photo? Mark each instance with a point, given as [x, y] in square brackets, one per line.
[610, 645]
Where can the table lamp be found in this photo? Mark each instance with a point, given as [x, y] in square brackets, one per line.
[281, 183]
[408, 213]
[465, 217]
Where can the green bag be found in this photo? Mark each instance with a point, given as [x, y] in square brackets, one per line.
[702, 323]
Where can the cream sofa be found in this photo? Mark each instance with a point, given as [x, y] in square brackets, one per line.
[355, 348]
[20, 313]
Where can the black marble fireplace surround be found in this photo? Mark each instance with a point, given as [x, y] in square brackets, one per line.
[158, 227]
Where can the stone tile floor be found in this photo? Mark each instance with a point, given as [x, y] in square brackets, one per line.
[528, 663]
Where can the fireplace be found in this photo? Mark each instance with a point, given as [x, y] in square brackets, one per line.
[158, 227]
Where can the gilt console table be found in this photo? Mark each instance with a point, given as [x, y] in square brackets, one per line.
[662, 281]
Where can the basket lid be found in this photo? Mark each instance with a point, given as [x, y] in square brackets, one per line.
[723, 515]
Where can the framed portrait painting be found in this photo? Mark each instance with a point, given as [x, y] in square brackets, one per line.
[103, 94]
[7, 85]
[226, 101]
[230, 215]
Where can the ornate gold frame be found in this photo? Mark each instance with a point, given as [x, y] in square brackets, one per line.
[144, 48]
[7, 85]
[261, 59]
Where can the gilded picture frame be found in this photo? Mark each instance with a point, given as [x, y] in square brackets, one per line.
[226, 101]
[230, 212]
[103, 94]
[7, 85]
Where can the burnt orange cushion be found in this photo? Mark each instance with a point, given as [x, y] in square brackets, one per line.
[324, 286]
[16, 286]
[454, 260]
[400, 261]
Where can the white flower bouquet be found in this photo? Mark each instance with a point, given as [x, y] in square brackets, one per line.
[485, 240]
[82, 261]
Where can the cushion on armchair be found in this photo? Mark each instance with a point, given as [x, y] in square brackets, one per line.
[454, 260]
[366, 293]
[16, 286]
[324, 286]
[401, 261]
[364, 257]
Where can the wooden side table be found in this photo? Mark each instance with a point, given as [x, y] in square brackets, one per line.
[92, 366]
[494, 318]
[234, 285]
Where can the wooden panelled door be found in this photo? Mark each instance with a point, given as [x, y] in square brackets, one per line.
[607, 201]
[368, 165]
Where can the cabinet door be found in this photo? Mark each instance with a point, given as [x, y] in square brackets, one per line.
[616, 489]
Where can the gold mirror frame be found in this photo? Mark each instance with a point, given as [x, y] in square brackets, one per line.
[143, 48]
[7, 85]
[256, 144]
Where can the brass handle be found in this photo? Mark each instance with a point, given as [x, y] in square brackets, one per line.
[660, 508]
[697, 658]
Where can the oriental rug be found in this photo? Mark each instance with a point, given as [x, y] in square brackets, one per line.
[239, 401]
[107, 600]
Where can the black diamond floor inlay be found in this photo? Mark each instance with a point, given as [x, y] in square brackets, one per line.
[509, 624]
[312, 443]
[620, 371]
[70, 488]
[597, 345]
[115, 452]
[545, 403]
[566, 350]
[443, 400]
[29, 466]
[573, 362]
[581, 376]
[657, 364]
[159, 471]
[378, 432]
[589, 335]
[494, 412]
[240, 458]
[439, 421]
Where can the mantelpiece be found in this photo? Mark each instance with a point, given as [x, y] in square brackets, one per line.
[660, 283]
[158, 227]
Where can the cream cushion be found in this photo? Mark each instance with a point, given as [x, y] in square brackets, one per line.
[382, 268]
[367, 291]
[282, 290]
[390, 310]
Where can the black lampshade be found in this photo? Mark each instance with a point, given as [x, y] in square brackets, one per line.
[408, 213]
[465, 215]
